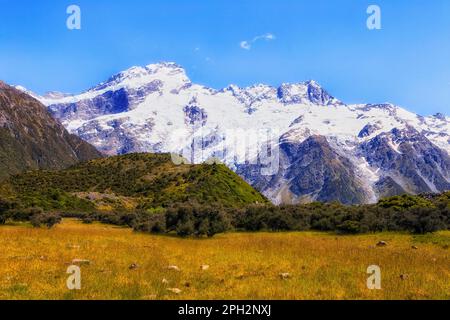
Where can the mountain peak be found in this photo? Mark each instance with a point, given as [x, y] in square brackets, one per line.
[164, 65]
[313, 83]
[167, 69]
[440, 116]
[137, 76]
[304, 92]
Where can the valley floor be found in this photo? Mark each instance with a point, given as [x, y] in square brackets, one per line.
[127, 265]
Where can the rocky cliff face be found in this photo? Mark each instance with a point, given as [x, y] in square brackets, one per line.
[409, 159]
[310, 171]
[31, 139]
[328, 150]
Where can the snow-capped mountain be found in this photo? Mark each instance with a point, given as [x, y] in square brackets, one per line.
[327, 150]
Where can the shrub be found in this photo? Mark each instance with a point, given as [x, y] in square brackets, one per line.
[114, 218]
[197, 220]
[185, 227]
[5, 207]
[153, 223]
[405, 202]
[25, 215]
[47, 219]
[422, 220]
[349, 227]
[212, 221]
[87, 220]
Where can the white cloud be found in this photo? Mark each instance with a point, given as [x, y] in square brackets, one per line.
[267, 36]
[247, 45]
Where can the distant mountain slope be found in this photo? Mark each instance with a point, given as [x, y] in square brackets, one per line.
[310, 171]
[373, 150]
[31, 139]
[139, 180]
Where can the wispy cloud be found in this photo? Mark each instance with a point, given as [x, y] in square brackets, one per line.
[247, 44]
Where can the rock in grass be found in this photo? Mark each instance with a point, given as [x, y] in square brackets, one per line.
[81, 261]
[174, 290]
[174, 268]
[404, 276]
[133, 266]
[165, 281]
[284, 276]
[204, 267]
[414, 248]
[382, 244]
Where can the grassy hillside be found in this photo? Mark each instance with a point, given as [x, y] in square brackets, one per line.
[129, 265]
[134, 181]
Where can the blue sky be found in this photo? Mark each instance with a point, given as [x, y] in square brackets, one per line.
[407, 62]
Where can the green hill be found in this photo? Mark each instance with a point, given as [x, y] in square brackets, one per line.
[131, 181]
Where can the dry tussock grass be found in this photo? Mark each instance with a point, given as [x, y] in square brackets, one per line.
[127, 265]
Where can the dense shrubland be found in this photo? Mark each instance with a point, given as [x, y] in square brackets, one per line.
[415, 214]
[34, 215]
[147, 180]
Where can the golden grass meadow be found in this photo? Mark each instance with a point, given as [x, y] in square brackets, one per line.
[128, 265]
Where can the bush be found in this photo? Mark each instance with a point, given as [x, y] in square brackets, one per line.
[197, 220]
[114, 218]
[25, 215]
[422, 220]
[349, 227]
[212, 221]
[47, 219]
[153, 223]
[5, 207]
[87, 220]
[185, 227]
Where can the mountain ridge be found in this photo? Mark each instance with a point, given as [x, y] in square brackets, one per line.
[141, 109]
[31, 139]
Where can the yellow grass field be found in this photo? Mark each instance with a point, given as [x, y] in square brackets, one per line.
[33, 264]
